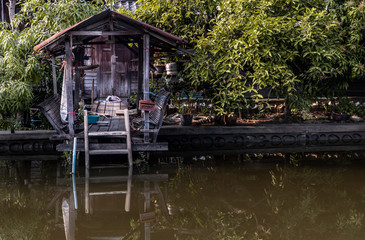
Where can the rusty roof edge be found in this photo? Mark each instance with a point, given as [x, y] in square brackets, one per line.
[56, 36]
[130, 20]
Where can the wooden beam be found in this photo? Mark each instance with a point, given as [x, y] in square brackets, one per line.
[103, 33]
[70, 110]
[136, 147]
[163, 39]
[105, 134]
[146, 81]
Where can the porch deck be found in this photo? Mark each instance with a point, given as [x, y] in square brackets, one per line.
[109, 139]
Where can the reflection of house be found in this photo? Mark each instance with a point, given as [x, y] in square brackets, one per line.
[108, 211]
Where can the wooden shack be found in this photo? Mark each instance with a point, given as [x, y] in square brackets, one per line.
[105, 55]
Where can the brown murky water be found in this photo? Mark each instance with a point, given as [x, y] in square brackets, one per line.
[217, 197]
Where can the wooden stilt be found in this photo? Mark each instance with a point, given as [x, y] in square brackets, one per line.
[129, 190]
[87, 162]
[86, 142]
[129, 141]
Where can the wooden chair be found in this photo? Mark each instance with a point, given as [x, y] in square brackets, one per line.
[156, 116]
[51, 110]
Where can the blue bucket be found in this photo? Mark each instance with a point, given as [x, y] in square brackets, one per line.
[92, 119]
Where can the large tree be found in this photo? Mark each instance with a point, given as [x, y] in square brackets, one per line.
[298, 49]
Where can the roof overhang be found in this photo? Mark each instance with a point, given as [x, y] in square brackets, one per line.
[109, 23]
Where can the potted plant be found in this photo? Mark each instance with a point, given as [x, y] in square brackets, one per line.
[343, 110]
[185, 108]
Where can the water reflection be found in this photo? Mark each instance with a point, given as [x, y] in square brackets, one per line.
[198, 198]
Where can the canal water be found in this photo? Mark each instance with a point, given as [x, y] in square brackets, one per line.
[272, 196]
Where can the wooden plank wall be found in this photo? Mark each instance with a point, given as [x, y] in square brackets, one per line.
[126, 80]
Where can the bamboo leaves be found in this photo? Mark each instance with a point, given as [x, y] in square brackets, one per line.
[20, 70]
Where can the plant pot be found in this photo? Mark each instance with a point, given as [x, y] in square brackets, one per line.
[337, 116]
[187, 120]
[345, 116]
[231, 121]
[160, 69]
[171, 68]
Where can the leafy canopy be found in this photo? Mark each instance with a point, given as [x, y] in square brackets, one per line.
[297, 49]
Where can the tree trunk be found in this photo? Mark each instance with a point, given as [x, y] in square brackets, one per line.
[2, 11]
[11, 6]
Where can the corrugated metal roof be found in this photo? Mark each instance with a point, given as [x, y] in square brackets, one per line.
[123, 21]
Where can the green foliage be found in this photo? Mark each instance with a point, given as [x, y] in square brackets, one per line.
[298, 49]
[20, 69]
[188, 19]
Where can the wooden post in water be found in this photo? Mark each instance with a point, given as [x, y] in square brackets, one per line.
[147, 205]
[146, 83]
[87, 162]
[128, 139]
[70, 111]
[129, 190]
[86, 140]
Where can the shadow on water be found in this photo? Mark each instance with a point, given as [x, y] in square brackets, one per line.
[240, 196]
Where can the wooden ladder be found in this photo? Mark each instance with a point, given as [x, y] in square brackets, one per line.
[126, 133]
[127, 150]
[89, 195]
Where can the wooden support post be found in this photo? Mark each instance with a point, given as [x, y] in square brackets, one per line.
[54, 75]
[86, 142]
[87, 163]
[70, 109]
[78, 62]
[146, 83]
[140, 71]
[113, 63]
[129, 140]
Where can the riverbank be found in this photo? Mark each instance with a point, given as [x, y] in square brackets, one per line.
[209, 139]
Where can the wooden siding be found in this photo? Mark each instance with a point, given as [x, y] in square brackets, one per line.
[126, 76]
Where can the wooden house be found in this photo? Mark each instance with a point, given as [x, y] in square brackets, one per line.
[105, 55]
